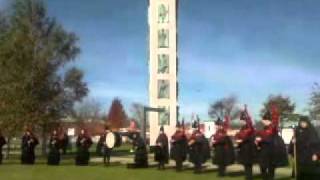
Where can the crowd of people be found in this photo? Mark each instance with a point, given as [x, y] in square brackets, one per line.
[247, 146]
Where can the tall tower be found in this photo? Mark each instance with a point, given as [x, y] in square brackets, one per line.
[163, 84]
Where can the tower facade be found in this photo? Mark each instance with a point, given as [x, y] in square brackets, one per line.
[163, 84]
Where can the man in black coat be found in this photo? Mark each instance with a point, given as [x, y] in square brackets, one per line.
[65, 143]
[54, 149]
[28, 145]
[162, 149]
[307, 150]
[2, 143]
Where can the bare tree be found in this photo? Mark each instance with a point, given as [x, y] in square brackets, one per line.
[88, 109]
[314, 104]
[137, 113]
[224, 107]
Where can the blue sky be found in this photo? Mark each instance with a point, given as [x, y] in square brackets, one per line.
[242, 47]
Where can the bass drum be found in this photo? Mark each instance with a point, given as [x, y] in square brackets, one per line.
[113, 140]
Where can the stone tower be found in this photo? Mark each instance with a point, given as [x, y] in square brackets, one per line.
[163, 66]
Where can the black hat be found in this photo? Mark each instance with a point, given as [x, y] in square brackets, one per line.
[106, 127]
[243, 116]
[195, 124]
[267, 116]
[219, 121]
[161, 128]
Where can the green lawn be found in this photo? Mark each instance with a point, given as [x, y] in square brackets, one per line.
[67, 171]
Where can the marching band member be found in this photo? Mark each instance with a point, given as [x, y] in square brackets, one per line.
[29, 142]
[54, 149]
[245, 143]
[178, 151]
[83, 144]
[271, 148]
[2, 143]
[222, 146]
[162, 149]
[199, 148]
[307, 143]
[106, 150]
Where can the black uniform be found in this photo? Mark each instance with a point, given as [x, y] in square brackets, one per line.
[2, 143]
[271, 148]
[179, 148]
[83, 155]
[140, 153]
[162, 150]
[29, 142]
[223, 150]
[106, 152]
[246, 149]
[307, 145]
[199, 151]
[54, 153]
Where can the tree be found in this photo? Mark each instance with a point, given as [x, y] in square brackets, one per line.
[117, 117]
[137, 113]
[314, 103]
[224, 107]
[284, 104]
[33, 50]
[88, 109]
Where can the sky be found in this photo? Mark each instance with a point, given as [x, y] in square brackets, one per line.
[246, 48]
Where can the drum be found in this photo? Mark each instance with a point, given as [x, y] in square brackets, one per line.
[113, 139]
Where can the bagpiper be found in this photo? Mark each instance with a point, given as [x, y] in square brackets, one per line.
[223, 150]
[271, 148]
[179, 145]
[245, 144]
[106, 150]
[199, 150]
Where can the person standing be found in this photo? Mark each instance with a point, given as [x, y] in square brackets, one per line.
[28, 145]
[54, 149]
[271, 148]
[307, 150]
[2, 143]
[198, 148]
[162, 149]
[179, 145]
[83, 144]
[245, 144]
[140, 152]
[106, 150]
[223, 149]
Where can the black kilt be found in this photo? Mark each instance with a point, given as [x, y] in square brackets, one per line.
[54, 157]
[223, 152]
[178, 151]
[246, 152]
[82, 157]
[161, 154]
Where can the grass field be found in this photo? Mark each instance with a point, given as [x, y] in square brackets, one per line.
[12, 170]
